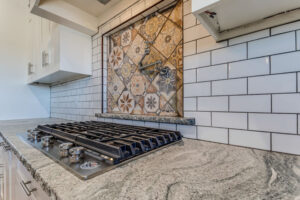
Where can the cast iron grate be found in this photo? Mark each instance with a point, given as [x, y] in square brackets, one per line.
[117, 141]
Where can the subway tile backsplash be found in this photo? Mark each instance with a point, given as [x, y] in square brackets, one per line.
[253, 103]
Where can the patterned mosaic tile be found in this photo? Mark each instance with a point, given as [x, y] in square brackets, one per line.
[115, 86]
[166, 84]
[126, 102]
[149, 91]
[137, 49]
[151, 26]
[116, 58]
[151, 104]
[138, 84]
[176, 58]
[168, 38]
[127, 70]
[151, 72]
[176, 15]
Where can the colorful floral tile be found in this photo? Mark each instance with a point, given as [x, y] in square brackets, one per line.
[151, 26]
[116, 58]
[151, 103]
[126, 102]
[138, 84]
[137, 49]
[127, 70]
[147, 92]
[115, 86]
[168, 38]
[176, 58]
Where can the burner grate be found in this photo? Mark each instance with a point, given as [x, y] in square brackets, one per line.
[117, 141]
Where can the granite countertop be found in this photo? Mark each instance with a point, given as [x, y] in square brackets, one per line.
[190, 170]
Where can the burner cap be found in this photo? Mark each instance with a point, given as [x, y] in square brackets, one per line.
[64, 149]
[76, 150]
[89, 165]
[47, 140]
[65, 146]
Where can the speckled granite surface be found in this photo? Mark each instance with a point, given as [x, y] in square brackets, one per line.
[161, 119]
[192, 170]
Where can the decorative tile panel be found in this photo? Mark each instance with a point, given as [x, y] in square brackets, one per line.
[157, 89]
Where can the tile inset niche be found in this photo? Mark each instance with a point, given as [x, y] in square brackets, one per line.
[156, 90]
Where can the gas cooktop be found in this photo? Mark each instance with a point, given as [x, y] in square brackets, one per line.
[90, 148]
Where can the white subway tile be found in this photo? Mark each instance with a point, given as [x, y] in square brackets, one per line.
[251, 67]
[282, 83]
[187, 7]
[286, 28]
[286, 143]
[272, 45]
[189, 20]
[187, 131]
[298, 124]
[201, 118]
[212, 73]
[195, 32]
[138, 123]
[196, 89]
[190, 104]
[166, 126]
[298, 40]
[189, 76]
[250, 103]
[152, 124]
[286, 103]
[229, 54]
[213, 103]
[285, 123]
[253, 139]
[288, 62]
[219, 135]
[249, 37]
[229, 87]
[229, 120]
[194, 61]
[189, 48]
[209, 43]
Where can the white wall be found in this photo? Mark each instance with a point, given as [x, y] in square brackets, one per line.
[17, 99]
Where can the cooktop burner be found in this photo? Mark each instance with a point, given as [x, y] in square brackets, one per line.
[91, 148]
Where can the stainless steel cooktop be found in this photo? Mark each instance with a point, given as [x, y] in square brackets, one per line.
[90, 148]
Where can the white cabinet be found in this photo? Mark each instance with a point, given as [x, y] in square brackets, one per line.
[16, 182]
[57, 53]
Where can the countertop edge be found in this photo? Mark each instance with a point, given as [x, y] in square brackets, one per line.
[157, 119]
[50, 192]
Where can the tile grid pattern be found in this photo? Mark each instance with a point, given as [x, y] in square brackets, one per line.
[147, 92]
[243, 91]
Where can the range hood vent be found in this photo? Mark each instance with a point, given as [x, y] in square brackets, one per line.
[104, 1]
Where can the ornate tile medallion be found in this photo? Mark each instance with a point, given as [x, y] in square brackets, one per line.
[168, 39]
[136, 50]
[151, 102]
[116, 57]
[126, 102]
[157, 89]
[151, 26]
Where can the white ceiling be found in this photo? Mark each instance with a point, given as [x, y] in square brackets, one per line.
[92, 7]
